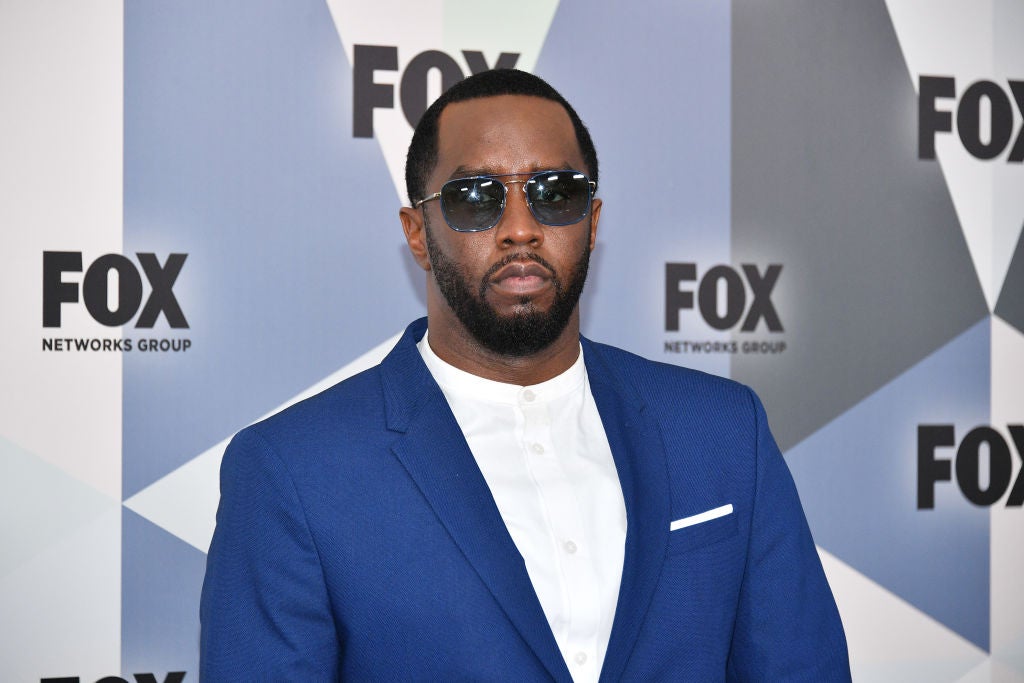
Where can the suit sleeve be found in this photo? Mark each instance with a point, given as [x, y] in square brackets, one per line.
[787, 626]
[264, 613]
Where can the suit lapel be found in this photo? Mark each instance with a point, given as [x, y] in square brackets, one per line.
[640, 460]
[434, 452]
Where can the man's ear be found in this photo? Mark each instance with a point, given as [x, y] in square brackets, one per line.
[415, 235]
[595, 215]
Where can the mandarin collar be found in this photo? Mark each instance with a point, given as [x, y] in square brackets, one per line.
[466, 384]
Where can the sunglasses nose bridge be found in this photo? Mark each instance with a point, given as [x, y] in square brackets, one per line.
[518, 222]
[522, 186]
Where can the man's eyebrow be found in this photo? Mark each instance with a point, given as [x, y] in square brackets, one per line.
[472, 171]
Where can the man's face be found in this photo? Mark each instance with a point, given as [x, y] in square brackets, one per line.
[513, 288]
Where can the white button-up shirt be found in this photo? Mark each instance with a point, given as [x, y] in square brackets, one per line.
[545, 457]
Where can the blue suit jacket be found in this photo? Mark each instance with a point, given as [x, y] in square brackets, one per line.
[357, 539]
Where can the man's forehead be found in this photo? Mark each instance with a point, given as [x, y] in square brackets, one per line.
[505, 133]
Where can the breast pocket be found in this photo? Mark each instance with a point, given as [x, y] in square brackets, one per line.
[700, 534]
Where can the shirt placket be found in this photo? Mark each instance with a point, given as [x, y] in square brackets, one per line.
[572, 556]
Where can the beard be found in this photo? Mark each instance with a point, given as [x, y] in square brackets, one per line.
[525, 331]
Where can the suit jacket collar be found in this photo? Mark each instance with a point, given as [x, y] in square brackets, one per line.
[434, 452]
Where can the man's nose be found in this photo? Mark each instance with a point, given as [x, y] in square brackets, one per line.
[518, 224]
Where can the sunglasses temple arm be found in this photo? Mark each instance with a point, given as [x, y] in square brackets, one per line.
[421, 202]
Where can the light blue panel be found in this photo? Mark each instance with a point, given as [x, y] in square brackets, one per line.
[162, 577]
[41, 505]
[652, 83]
[239, 152]
[857, 478]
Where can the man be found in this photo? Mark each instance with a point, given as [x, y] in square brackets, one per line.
[499, 500]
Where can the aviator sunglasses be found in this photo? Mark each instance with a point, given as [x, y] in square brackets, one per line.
[477, 203]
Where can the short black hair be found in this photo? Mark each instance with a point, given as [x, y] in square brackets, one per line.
[422, 155]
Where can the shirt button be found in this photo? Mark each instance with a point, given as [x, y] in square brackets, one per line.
[537, 448]
[571, 548]
[581, 657]
[529, 395]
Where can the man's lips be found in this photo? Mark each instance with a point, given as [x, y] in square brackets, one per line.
[521, 278]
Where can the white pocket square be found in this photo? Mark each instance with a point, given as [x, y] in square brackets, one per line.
[705, 516]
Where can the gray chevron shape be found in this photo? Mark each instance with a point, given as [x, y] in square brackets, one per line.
[826, 180]
[1010, 306]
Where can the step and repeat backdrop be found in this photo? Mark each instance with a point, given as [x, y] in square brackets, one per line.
[199, 226]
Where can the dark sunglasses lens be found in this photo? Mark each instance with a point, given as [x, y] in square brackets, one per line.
[471, 204]
[559, 198]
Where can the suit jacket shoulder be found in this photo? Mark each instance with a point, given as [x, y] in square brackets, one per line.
[712, 427]
[657, 382]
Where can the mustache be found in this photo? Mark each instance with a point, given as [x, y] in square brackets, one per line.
[519, 256]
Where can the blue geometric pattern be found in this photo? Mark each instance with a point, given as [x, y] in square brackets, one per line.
[857, 478]
[238, 152]
[160, 582]
[663, 144]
